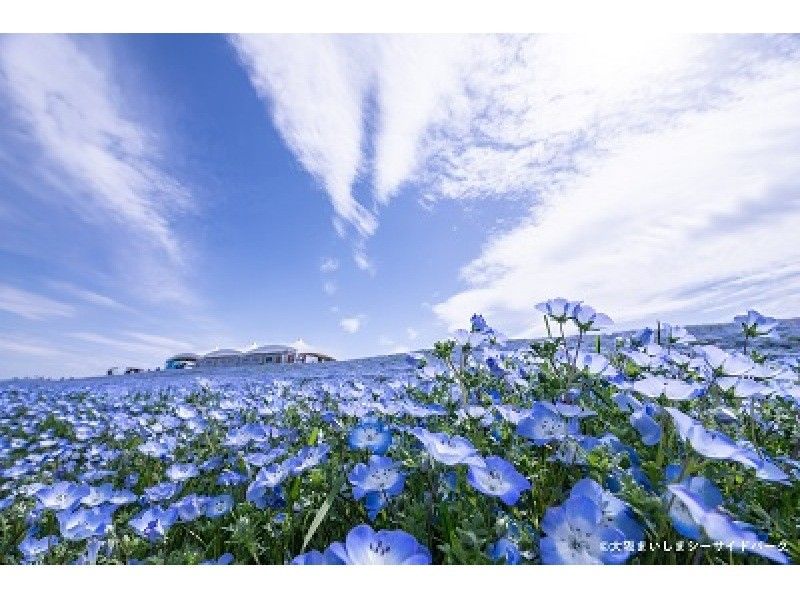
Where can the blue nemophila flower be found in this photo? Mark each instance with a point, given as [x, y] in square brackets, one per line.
[376, 482]
[446, 449]
[272, 476]
[185, 412]
[674, 333]
[61, 496]
[180, 472]
[364, 546]
[719, 527]
[467, 340]
[497, 477]
[93, 546]
[308, 457]
[706, 494]
[504, 551]
[587, 318]
[743, 388]
[676, 390]
[231, 478]
[764, 468]
[81, 524]
[263, 496]
[616, 513]
[545, 424]
[577, 534]
[98, 495]
[511, 414]
[162, 492]
[478, 324]
[645, 336]
[594, 363]
[216, 506]
[190, 507]
[264, 459]
[382, 474]
[714, 444]
[224, 559]
[754, 324]
[160, 448]
[559, 308]
[315, 557]
[645, 423]
[570, 410]
[211, 464]
[122, 497]
[423, 410]
[371, 435]
[33, 549]
[729, 364]
[724, 415]
[153, 523]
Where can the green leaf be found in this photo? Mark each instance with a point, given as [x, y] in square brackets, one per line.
[312, 438]
[323, 510]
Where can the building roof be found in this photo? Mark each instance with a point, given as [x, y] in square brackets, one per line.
[272, 349]
[223, 353]
[180, 356]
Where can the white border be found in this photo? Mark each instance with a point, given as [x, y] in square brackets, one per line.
[423, 16]
[391, 582]
[418, 16]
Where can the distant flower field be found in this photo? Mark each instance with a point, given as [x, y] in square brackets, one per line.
[658, 449]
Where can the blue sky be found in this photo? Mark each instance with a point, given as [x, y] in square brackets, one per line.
[365, 194]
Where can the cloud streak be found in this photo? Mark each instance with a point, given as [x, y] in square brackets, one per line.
[689, 220]
[32, 306]
[148, 347]
[629, 155]
[87, 152]
[354, 108]
[28, 347]
[88, 296]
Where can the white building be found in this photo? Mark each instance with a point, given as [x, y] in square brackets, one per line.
[255, 355]
[182, 361]
[270, 354]
[221, 357]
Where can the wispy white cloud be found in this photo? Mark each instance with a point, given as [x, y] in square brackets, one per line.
[156, 340]
[351, 107]
[626, 151]
[32, 306]
[539, 110]
[352, 324]
[316, 94]
[688, 214]
[329, 287]
[147, 347]
[87, 295]
[27, 346]
[95, 157]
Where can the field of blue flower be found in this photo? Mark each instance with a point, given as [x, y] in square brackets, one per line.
[658, 449]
